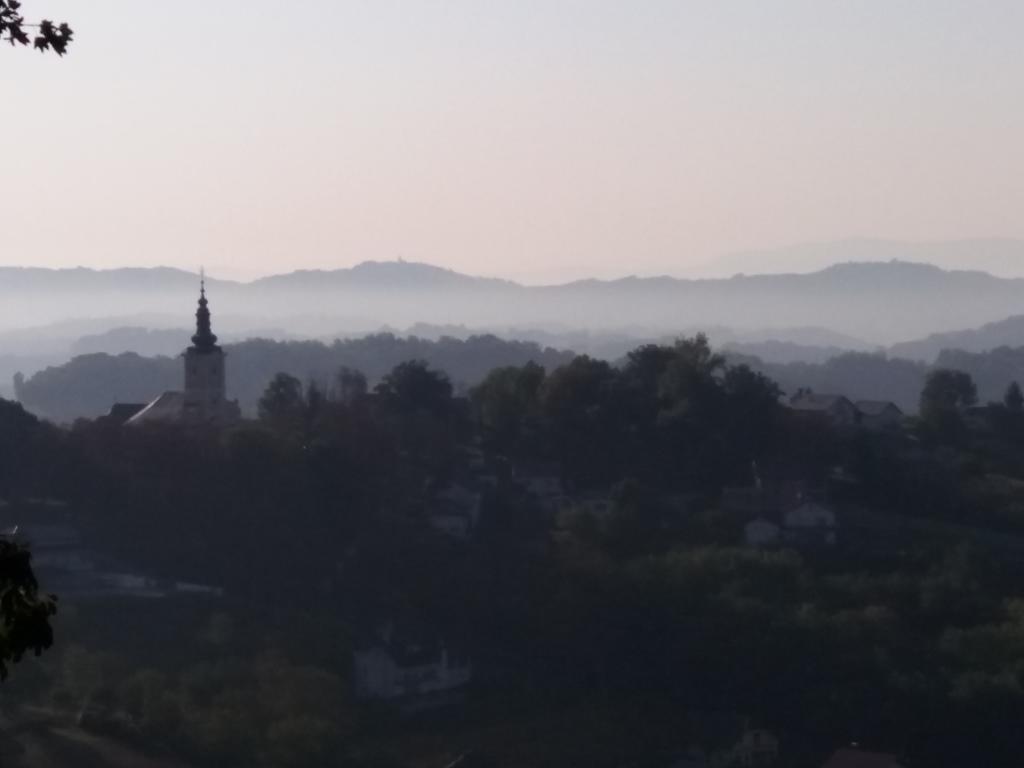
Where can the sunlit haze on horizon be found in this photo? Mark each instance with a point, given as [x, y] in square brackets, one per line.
[539, 141]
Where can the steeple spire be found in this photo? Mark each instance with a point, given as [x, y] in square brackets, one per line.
[203, 340]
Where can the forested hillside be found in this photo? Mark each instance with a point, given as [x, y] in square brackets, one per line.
[89, 384]
[607, 585]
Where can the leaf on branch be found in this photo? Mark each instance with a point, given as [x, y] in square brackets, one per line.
[51, 37]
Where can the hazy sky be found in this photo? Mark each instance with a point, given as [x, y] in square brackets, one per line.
[536, 139]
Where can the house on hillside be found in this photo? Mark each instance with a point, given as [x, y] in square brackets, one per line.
[878, 414]
[396, 665]
[854, 757]
[809, 524]
[837, 410]
[120, 413]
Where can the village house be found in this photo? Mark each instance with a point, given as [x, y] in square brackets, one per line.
[809, 523]
[120, 413]
[836, 410]
[394, 667]
[878, 414]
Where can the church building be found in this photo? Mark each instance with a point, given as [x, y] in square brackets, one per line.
[204, 400]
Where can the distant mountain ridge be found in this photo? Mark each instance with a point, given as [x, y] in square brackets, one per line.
[392, 274]
[1003, 257]
[86, 278]
[880, 302]
[1003, 333]
[423, 275]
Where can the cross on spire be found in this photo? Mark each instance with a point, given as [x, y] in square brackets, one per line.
[204, 340]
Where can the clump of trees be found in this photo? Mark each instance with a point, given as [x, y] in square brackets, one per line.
[676, 416]
[946, 396]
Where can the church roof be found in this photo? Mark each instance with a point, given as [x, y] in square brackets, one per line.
[204, 339]
[170, 406]
[122, 412]
[876, 407]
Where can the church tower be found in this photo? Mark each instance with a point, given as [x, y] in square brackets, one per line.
[205, 396]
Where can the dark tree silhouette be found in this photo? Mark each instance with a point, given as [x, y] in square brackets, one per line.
[1014, 398]
[283, 399]
[25, 615]
[48, 37]
[947, 390]
[946, 395]
[414, 385]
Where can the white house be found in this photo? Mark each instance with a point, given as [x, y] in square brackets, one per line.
[391, 669]
[837, 410]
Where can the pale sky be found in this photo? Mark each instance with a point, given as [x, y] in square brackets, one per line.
[535, 139]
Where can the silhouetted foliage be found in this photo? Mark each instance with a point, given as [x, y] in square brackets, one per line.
[604, 584]
[507, 405]
[1014, 398]
[946, 396]
[283, 400]
[89, 384]
[49, 36]
[412, 386]
[24, 613]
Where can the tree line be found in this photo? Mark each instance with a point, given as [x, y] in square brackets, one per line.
[644, 613]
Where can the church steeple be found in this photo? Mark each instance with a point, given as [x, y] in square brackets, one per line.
[204, 340]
